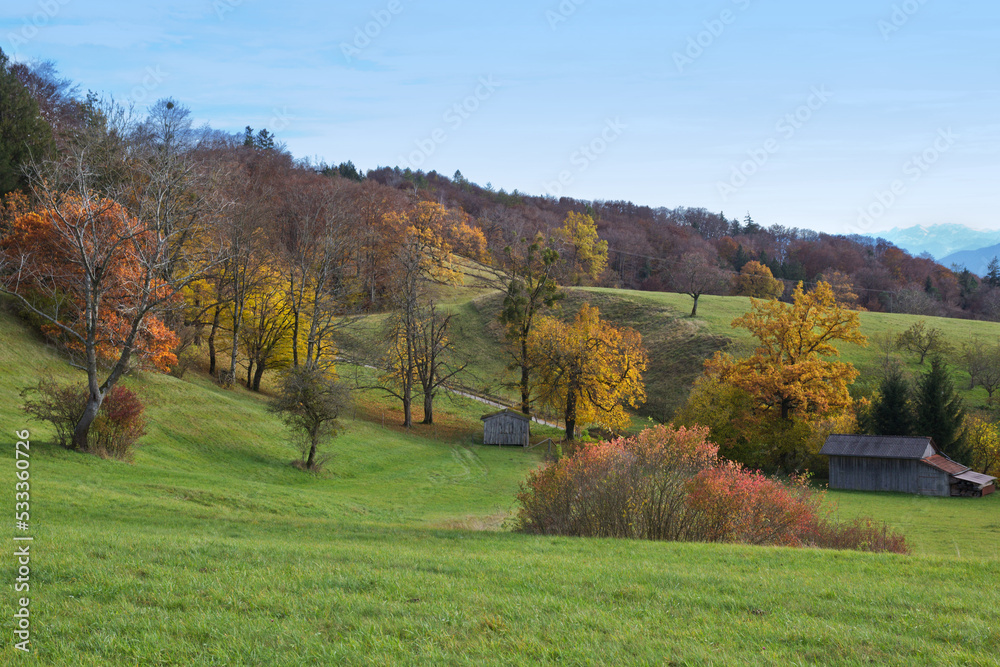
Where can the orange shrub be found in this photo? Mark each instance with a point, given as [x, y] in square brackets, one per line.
[670, 484]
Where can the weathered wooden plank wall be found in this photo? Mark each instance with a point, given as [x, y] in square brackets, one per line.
[505, 429]
[872, 474]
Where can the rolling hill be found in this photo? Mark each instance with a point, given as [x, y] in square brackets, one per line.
[211, 549]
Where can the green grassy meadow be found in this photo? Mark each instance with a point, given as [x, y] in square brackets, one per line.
[211, 549]
[716, 313]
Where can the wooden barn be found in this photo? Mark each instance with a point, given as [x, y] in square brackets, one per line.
[899, 463]
[507, 427]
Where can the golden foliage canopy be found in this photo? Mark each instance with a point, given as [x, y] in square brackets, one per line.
[589, 369]
[787, 373]
[756, 280]
[586, 255]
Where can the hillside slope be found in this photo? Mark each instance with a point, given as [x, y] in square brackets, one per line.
[677, 344]
[211, 549]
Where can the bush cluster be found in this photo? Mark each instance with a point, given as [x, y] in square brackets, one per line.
[119, 424]
[670, 484]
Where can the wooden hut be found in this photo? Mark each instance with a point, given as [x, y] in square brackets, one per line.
[900, 463]
[506, 427]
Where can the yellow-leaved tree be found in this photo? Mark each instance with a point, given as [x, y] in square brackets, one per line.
[789, 373]
[789, 390]
[588, 369]
[983, 441]
[756, 280]
[265, 335]
[585, 254]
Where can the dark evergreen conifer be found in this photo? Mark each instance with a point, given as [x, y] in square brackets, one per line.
[891, 413]
[24, 134]
[940, 413]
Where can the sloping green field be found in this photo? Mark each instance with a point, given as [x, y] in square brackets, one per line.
[210, 549]
[716, 313]
[677, 344]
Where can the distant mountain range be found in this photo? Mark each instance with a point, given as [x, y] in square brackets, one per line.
[974, 260]
[944, 241]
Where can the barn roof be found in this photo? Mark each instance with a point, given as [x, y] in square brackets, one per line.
[507, 411]
[945, 464]
[878, 446]
[976, 478]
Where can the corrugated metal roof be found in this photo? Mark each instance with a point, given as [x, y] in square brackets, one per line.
[945, 464]
[976, 478]
[877, 446]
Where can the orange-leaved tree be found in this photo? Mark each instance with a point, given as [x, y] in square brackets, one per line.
[788, 373]
[415, 333]
[88, 271]
[588, 369]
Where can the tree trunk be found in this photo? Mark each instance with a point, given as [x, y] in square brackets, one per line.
[428, 409]
[694, 310]
[249, 373]
[258, 375]
[199, 325]
[570, 414]
[407, 412]
[525, 380]
[311, 460]
[211, 342]
[296, 307]
[237, 320]
[83, 426]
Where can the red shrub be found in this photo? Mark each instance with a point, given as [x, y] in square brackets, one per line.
[630, 487]
[739, 505]
[669, 484]
[119, 424]
[115, 430]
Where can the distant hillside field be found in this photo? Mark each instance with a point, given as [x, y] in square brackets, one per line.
[717, 313]
[210, 549]
[677, 344]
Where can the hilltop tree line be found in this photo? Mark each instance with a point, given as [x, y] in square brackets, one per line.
[696, 251]
[137, 240]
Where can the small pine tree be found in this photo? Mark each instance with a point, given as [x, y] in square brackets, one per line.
[891, 413]
[940, 412]
[349, 171]
[993, 273]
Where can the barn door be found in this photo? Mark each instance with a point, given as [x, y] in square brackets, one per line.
[927, 485]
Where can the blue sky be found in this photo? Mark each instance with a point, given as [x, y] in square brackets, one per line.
[847, 117]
